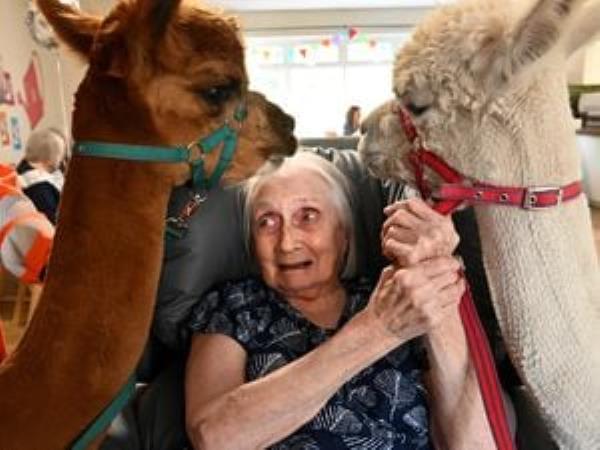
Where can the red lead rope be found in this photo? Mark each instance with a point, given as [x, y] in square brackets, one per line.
[479, 349]
[485, 369]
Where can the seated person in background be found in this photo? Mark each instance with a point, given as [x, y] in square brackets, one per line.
[40, 176]
[309, 357]
[25, 234]
[352, 123]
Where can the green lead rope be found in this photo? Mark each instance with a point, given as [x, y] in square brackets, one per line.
[102, 422]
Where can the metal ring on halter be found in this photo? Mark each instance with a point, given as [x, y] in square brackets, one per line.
[234, 125]
[239, 116]
[200, 196]
[200, 152]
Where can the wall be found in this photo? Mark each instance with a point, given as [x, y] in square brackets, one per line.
[584, 65]
[18, 52]
[281, 21]
[591, 71]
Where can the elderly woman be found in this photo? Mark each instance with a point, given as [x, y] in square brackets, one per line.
[40, 175]
[309, 358]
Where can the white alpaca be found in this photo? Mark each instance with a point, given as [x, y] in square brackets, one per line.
[485, 84]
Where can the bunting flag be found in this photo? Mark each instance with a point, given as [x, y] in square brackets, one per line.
[352, 33]
[322, 49]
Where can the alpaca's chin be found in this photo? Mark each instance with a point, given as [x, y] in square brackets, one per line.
[376, 166]
[385, 168]
[395, 169]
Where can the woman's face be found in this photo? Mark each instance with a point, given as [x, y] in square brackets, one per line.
[298, 236]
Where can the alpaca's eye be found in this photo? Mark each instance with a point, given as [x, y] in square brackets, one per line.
[417, 110]
[219, 94]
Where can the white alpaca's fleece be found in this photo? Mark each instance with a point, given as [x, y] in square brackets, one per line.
[486, 82]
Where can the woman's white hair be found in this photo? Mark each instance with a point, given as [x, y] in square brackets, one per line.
[47, 145]
[341, 193]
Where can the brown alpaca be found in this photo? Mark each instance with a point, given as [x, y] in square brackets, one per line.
[161, 73]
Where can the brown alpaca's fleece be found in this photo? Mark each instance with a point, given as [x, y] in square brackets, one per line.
[152, 64]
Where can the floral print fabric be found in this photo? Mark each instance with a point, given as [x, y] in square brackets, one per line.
[381, 408]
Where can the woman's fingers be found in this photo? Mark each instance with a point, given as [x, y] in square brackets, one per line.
[440, 265]
[414, 223]
[403, 219]
[401, 204]
[443, 280]
[403, 255]
[385, 284]
[452, 294]
[422, 210]
[396, 233]
[392, 208]
[414, 300]
[417, 206]
[385, 281]
[406, 254]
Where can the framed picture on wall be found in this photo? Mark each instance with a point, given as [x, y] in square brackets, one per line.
[15, 133]
[4, 132]
[7, 95]
[33, 101]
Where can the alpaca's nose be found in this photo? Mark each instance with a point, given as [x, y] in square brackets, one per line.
[289, 123]
[284, 121]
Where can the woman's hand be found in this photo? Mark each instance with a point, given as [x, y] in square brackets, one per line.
[414, 232]
[412, 301]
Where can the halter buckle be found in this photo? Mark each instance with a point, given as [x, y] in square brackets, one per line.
[530, 198]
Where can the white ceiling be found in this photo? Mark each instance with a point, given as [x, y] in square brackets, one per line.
[271, 5]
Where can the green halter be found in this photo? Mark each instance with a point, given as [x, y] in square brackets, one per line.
[226, 134]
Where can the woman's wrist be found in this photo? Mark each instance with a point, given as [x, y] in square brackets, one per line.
[376, 333]
[447, 347]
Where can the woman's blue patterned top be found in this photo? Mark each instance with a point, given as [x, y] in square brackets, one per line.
[381, 408]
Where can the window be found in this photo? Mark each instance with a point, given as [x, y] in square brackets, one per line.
[317, 77]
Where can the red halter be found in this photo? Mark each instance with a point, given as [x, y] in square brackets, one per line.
[449, 197]
[458, 189]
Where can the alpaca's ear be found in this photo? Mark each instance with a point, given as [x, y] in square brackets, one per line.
[488, 58]
[113, 48]
[110, 54]
[234, 23]
[538, 32]
[500, 54]
[156, 14]
[73, 27]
